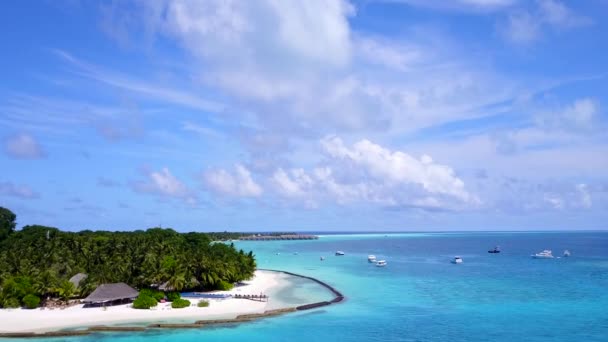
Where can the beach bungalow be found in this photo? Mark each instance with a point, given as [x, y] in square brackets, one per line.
[111, 294]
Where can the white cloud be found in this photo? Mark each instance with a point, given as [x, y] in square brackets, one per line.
[295, 184]
[526, 26]
[559, 15]
[19, 191]
[581, 113]
[148, 88]
[554, 200]
[585, 196]
[163, 183]
[298, 69]
[579, 116]
[23, 146]
[201, 130]
[569, 197]
[522, 27]
[302, 71]
[237, 184]
[367, 172]
[398, 167]
[459, 5]
[315, 30]
[387, 53]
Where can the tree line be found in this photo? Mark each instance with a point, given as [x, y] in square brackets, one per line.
[36, 262]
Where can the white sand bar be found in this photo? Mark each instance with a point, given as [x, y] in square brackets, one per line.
[38, 320]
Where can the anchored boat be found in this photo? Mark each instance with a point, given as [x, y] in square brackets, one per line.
[381, 263]
[546, 254]
[457, 260]
[495, 250]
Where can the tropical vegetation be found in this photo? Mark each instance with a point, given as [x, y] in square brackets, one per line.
[39, 261]
[144, 301]
[180, 303]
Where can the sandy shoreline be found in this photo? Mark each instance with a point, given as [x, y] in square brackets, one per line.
[37, 320]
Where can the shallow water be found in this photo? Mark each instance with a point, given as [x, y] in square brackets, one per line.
[421, 296]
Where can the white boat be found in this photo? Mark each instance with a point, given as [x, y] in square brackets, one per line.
[567, 253]
[380, 263]
[322, 258]
[371, 258]
[457, 260]
[546, 254]
[339, 253]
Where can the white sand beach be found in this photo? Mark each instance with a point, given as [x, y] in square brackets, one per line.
[42, 320]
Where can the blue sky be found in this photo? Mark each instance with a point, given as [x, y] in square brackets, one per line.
[317, 115]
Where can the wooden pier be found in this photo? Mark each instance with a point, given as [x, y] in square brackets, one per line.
[256, 298]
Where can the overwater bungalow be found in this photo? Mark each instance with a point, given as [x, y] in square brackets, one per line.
[111, 294]
[260, 237]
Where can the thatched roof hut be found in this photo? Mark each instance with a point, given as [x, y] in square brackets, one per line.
[165, 287]
[107, 293]
[77, 279]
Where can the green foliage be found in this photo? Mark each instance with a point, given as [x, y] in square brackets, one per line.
[202, 303]
[144, 302]
[173, 296]
[17, 287]
[7, 223]
[224, 286]
[10, 303]
[180, 303]
[39, 260]
[66, 290]
[31, 301]
[157, 295]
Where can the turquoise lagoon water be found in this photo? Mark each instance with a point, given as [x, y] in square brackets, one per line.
[421, 296]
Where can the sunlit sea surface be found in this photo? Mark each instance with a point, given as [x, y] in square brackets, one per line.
[421, 296]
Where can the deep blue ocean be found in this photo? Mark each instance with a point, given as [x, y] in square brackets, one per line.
[421, 296]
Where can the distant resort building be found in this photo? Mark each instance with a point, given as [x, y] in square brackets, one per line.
[111, 294]
[260, 237]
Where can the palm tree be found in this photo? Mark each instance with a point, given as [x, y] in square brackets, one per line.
[177, 282]
[66, 290]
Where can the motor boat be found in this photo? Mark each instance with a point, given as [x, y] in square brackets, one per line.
[339, 253]
[322, 258]
[495, 250]
[371, 258]
[380, 263]
[457, 260]
[546, 254]
[567, 253]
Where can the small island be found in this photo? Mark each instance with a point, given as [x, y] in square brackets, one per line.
[52, 280]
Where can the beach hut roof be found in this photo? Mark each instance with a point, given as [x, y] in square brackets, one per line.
[77, 278]
[165, 287]
[111, 292]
